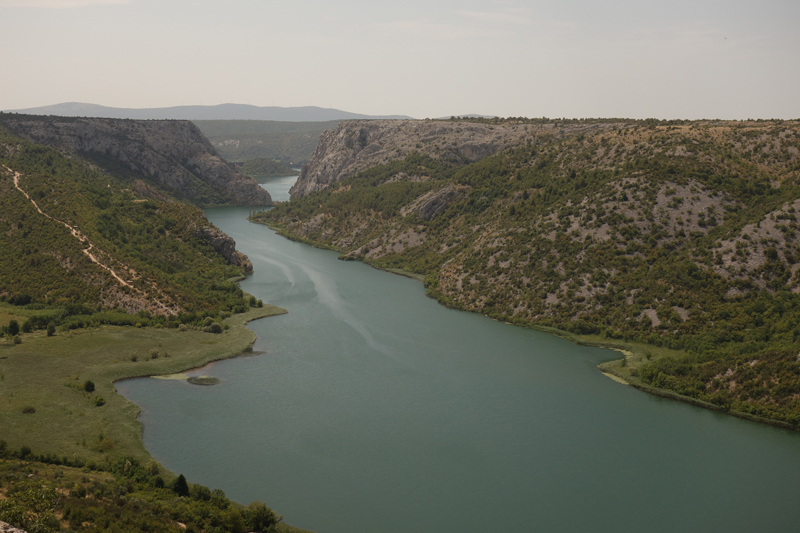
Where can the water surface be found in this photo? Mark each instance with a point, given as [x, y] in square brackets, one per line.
[373, 408]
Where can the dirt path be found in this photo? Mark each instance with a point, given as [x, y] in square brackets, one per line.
[84, 240]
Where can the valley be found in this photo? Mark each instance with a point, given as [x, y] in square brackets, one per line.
[672, 241]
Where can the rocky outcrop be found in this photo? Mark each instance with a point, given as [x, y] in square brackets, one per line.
[146, 191]
[437, 203]
[8, 528]
[172, 155]
[225, 246]
[356, 145]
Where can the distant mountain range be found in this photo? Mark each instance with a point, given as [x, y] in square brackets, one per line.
[202, 112]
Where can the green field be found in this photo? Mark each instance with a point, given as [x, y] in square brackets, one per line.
[43, 403]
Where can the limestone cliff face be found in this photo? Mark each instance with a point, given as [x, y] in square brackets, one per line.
[356, 145]
[172, 154]
[225, 246]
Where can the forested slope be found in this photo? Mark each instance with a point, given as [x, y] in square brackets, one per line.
[675, 234]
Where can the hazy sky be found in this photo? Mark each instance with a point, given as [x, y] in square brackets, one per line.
[423, 58]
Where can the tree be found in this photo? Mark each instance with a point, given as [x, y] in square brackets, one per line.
[51, 329]
[13, 328]
[261, 518]
[180, 487]
[88, 386]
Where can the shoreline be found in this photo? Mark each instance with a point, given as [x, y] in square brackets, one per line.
[48, 374]
[271, 310]
[630, 351]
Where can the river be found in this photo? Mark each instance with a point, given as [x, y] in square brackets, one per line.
[374, 409]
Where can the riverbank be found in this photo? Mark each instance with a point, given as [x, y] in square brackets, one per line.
[625, 370]
[46, 404]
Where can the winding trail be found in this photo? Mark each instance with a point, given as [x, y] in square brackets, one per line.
[84, 240]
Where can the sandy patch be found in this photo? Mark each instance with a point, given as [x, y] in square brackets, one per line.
[616, 378]
[176, 377]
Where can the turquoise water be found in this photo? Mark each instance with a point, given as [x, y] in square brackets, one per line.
[278, 187]
[373, 408]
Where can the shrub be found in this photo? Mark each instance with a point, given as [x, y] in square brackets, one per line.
[28, 409]
[201, 492]
[259, 517]
[88, 386]
[152, 467]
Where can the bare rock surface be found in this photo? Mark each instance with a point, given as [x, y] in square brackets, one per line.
[225, 246]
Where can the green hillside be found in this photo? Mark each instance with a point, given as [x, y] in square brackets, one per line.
[100, 247]
[104, 277]
[264, 168]
[291, 143]
[677, 235]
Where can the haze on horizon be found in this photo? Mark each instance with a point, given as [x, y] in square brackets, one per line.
[731, 59]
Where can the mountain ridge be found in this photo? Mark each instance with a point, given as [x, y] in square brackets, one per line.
[201, 112]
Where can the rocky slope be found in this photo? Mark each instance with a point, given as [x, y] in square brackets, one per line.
[358, 144]
[173, 156]
[681, 235]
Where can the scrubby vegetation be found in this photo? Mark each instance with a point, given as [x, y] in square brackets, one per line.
[45, 493]
[681, 235]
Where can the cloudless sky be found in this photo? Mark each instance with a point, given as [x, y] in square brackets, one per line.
[732, 59]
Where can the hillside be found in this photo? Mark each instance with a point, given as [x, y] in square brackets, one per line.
[679, 235]
[92, 244]
[264, 168]
[172, 156]
[291, 143]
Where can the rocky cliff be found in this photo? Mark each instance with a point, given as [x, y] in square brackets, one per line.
[357, 145]
[224, 245]
[172, 155]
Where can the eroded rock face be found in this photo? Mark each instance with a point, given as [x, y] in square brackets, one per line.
[173, 154]
[437, 203]
[225, 246]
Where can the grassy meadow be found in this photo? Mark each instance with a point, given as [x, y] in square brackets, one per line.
[44, 403]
